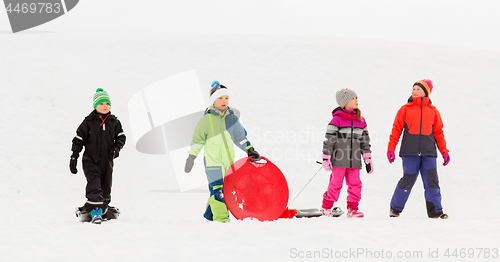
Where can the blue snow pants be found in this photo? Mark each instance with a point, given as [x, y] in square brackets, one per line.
[412, 165]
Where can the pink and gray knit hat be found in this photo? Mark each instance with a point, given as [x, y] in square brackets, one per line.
[344, 96]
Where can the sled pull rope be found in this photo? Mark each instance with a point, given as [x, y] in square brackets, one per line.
[320, 170]
[305, 185]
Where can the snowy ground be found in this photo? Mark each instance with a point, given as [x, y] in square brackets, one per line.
[284, 87]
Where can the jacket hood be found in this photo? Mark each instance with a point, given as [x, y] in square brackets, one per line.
[346, 114]
[211, 110]
[417, 101]
[95, 114]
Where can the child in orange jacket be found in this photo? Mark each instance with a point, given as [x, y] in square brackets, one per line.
[423, 130]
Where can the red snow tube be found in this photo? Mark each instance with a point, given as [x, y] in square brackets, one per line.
[256, 190]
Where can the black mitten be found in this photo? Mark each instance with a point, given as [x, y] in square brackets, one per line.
[253, 154]
[114, 153]
[72, 162]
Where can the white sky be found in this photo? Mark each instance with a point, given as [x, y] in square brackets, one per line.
[463, 23]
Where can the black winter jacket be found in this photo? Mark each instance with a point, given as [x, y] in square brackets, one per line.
[99, 134]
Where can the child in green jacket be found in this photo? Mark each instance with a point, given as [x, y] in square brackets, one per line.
[217, 130]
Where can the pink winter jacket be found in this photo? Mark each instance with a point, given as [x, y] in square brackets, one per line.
[347, 139]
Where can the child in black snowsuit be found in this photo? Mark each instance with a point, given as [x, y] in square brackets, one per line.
[102, 135]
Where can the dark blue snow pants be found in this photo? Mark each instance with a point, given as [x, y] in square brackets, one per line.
[412, 165]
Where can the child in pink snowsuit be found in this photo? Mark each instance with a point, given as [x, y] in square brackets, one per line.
[347, 142]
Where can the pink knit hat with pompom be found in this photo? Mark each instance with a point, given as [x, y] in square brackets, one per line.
[426, 85]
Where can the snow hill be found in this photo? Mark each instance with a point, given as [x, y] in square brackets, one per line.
[284, 87]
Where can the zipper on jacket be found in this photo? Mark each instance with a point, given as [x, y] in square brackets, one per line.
[421, 120]
[104, 124]
[352, 131]
[226, 145]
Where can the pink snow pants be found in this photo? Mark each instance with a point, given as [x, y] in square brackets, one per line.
[336, 180]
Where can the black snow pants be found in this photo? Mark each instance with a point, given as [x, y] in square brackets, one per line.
[99, 182]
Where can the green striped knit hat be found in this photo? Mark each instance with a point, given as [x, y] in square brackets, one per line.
[101, 96]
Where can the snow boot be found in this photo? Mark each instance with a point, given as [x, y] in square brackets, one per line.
[326, 212]
[442, 216]
[83, 215]
[394, 213]
[96, 216]
[355, 213]
[334, 212]
[111, 213]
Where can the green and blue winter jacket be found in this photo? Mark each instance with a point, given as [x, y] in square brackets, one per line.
[217, 133]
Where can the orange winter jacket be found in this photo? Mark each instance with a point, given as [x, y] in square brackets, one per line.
[422, 126]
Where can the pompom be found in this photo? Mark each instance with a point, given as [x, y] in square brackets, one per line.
[99, 90]
[429, 83]
[215, 83]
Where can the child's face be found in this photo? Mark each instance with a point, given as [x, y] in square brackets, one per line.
[417, 91]
[221, 103]
[103, 108]
[352, 104]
